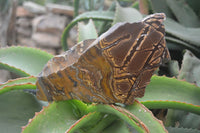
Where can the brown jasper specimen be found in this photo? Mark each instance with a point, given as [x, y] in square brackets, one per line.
[114, 68]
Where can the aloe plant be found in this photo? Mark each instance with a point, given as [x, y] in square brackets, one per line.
[20, 108]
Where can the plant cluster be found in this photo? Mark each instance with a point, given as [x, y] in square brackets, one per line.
[178, 100]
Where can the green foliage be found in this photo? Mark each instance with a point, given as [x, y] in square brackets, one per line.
[95, 15]
[91, 34]
[56, 117]
[75, 116]
[190, 69]
[23, 61]
[184, 14]
[132, 15]
[17, 107]
[182, 24]
[19, 83]
[173, 94]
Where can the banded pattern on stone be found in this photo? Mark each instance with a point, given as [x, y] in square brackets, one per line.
[114, 68]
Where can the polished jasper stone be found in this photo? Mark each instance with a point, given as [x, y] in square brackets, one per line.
[114, 68]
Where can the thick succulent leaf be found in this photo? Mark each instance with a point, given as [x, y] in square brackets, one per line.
[161, 6]
[181, 44]
[16, 109]
[182, 130]
[67, 114]
[153, 124]
[119, 126]
[190, 69]
[23, 61]
[104, 123]
[60, 116]
[129, 118]
[163, 92]
[57, 117]
[189, 120]
[184, 13]
[87, 31]
[136, 5]
[190, 35]
[184, 119]
[173, 68]
[17, 84]
[194, 4]
[95, 15]
[137, 114]
[126, 15]
[86, 123]
[80, 108]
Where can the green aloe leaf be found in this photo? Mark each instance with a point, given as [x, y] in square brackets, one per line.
[173, 68]
[17, 84]
[86, 123]
[163, 92]
[62, 116]
[194, 4]
[136, 114]
[190, 35]
[129, 118]
[23, 61]
[161, 6]
[190, 69]
[17, 107]
[57, 117]
[127, 14]
[185, 119]
[119, 126]
[184, 13]
[181, 44]
[87, 31]
[104, 123]
[95, 15]
[67, 118]
[154, 125]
